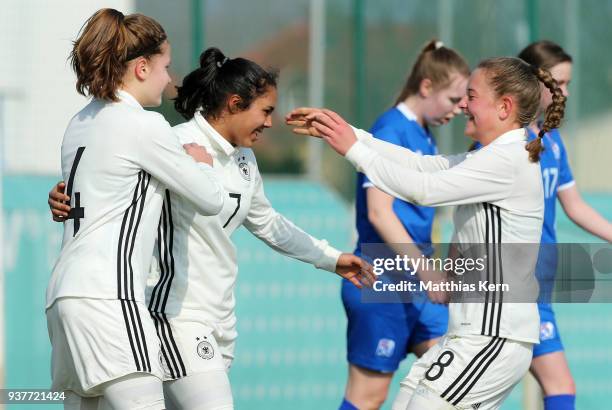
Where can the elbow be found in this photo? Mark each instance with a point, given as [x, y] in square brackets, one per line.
[376, 217]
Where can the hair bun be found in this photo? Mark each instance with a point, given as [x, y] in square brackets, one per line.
[212, 56]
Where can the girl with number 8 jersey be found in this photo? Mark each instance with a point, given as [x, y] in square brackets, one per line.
[499, 197]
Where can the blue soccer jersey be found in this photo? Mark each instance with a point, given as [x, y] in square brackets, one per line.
[398, 126]
[380, 335]
[556, 176]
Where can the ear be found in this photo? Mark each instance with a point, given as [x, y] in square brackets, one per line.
[233, 103]
[425, 88]
[141, 68]
[505, 105]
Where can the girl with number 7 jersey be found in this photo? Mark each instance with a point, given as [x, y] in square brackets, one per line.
[228, 103]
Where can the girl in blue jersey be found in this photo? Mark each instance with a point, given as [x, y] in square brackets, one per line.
[549, 364]
[380, 335]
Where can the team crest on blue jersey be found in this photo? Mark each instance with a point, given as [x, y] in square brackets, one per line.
[556, 150]
[243, 166]
[547, 330]
[385, 347]
[205, 349]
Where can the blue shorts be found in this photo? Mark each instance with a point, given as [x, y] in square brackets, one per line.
[379, 335]
[550, 340]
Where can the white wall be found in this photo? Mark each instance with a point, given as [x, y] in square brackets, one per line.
[36, 82]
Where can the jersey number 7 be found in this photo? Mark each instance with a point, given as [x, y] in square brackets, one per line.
[76, 211]
[237, 198]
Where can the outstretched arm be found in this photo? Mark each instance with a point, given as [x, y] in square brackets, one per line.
[311, 121]
[283, 236]
[583, 215]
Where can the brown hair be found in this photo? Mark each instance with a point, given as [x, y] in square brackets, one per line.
[513, 76]
[545, 54]
[107, 42]
[435, 62]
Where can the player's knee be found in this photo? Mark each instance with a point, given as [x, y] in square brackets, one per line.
[369, 399]
[568, 386]
[376, 399]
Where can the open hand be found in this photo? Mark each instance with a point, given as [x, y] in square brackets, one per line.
[198, 153]
[323, 123]
[356, 270]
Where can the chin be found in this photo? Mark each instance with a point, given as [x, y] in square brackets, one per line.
[469, 132]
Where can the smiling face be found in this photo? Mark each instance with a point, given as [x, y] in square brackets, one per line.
[441, 105]
[480, 107]
[245, 127]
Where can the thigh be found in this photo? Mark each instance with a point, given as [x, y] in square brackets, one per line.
[75, 402]
[550, 339]
[133, 392]
[377, 333]
[201, 391]
[95, 341]
[432, 324]
[190, 347]
[471, 370]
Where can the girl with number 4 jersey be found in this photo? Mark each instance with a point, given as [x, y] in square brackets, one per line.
[499, 197]
[228, 103]
[119, 160]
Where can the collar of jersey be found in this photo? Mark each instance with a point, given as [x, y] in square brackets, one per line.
[403, 108]
[128, 98]
[519, 134]
[221, 143]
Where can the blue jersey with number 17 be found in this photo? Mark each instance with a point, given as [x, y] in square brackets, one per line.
[398, 126]
[556, 176]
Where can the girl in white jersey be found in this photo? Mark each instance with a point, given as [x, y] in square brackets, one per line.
[499, 197]
[228, 103]
[118, 160]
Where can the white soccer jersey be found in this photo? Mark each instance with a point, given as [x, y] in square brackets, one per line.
[499, 198]
[117, 160]
[197, 266]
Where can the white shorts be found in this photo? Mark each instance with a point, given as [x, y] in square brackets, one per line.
[191, 345]
[468, 371]
[97, 340]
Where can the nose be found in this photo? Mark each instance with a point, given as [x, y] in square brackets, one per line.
[268, 122]
[462, 104]
[457, 108]
[565, 90]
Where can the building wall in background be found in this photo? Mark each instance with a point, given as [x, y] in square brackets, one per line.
[36, 81]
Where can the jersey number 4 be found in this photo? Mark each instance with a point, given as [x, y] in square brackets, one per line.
[76, 211]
